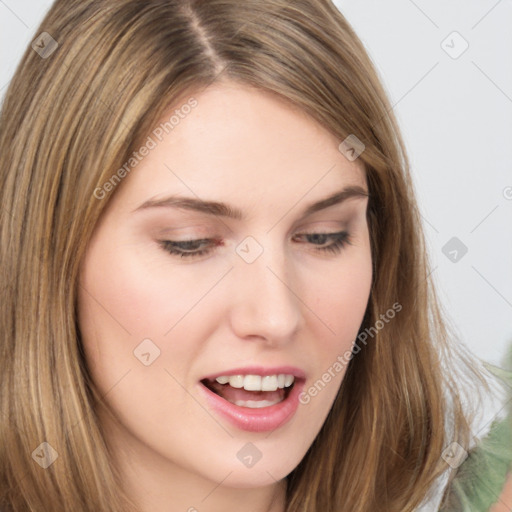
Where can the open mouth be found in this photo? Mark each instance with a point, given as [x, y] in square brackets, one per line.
[252, 391]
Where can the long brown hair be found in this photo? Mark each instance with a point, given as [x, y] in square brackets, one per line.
[72, 117]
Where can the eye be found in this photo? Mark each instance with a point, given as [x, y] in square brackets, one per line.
[203, 246]
[338, 241]
[189, 248]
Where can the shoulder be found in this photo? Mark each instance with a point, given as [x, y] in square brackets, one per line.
[504, 502]
[483, 482]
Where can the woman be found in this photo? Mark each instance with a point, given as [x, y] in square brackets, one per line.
[216, 287]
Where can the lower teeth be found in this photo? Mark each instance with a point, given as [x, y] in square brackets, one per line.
[256, 404]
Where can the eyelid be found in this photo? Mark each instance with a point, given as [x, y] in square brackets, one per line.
[197, 230]
[321, 227]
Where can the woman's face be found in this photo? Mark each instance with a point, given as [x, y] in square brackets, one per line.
[272, 293]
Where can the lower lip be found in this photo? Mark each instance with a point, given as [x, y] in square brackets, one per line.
[256, 420]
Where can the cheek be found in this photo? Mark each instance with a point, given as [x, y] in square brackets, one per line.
[126, 295]
[125, 312]
[125, 315]
[342, 298]
[129, 296]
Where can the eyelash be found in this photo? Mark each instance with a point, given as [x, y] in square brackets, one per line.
[340, 241]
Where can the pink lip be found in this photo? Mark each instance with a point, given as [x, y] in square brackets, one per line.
[256, 420]
[260, 370]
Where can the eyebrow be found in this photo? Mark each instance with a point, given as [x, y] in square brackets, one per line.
[225, 210]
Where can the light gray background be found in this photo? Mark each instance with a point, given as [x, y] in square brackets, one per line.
[456, 118]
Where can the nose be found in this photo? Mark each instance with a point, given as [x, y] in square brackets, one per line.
[266, 303]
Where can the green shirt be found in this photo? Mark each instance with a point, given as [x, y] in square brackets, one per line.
[481, 477]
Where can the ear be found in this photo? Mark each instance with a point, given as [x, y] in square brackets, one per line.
[504, 503]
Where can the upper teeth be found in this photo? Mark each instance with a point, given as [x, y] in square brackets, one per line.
[257, 382]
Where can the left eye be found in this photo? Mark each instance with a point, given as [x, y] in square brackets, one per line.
[201, 246]
[338, 240]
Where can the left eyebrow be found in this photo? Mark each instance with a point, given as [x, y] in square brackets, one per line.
[225, 210]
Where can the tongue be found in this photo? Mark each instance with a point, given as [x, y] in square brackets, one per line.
[232, 394]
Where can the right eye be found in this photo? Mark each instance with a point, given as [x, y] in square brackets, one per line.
[188, 248]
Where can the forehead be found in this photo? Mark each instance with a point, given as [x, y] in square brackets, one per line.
[238, 142]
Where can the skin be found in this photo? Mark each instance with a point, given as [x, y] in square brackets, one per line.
[293, 305]
[504, 503]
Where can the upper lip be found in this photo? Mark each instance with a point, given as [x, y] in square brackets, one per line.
[259, 370]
